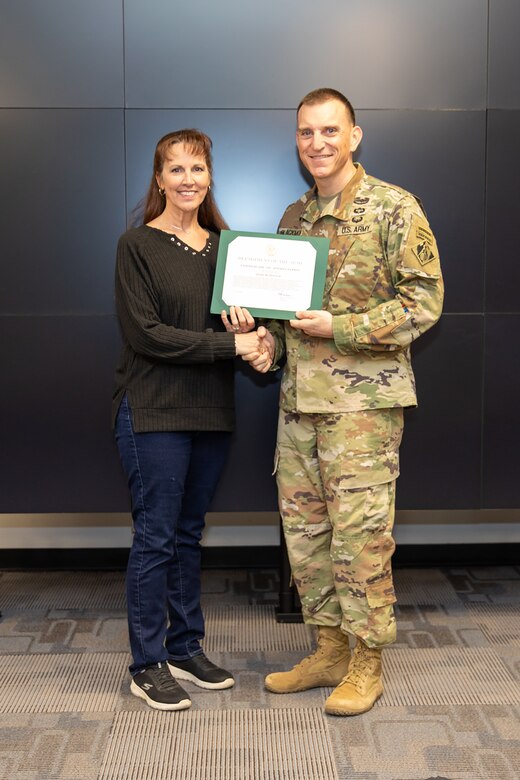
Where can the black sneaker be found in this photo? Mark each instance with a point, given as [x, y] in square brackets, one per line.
[202, 672]
[158, 688]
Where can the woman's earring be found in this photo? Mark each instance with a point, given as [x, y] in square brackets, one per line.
[161, 191]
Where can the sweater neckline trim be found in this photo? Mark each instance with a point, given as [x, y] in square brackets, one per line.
[174, 239]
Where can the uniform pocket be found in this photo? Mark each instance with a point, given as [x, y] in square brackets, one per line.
[362, 567]
[369, 452]
[381, 593]
[362, 544]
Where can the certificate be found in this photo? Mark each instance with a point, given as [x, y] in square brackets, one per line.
[271, 275]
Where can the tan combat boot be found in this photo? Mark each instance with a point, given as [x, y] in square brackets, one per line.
[326, 666]
[362, 685]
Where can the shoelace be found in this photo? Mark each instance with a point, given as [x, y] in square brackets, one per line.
[162, 678]
[357, 675]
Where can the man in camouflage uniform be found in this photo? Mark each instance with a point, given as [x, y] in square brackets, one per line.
[347, 378]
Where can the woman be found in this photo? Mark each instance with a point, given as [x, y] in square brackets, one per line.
[173, 413]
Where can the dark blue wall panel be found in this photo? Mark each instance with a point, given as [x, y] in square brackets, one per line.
[504, 54]
[63, 53]
[503, 207]
[441, 451]
[57, 452]
[403, 54]
[501, 418]
[63, 171]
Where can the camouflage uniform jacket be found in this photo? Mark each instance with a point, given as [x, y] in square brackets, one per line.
[383, 287]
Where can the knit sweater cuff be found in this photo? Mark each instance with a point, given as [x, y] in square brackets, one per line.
[223, 345]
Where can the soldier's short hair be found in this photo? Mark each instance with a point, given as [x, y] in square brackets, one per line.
[323, 94]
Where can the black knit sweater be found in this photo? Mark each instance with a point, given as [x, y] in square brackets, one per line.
[177, 360]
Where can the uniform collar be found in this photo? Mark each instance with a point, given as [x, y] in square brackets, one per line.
[336, 208]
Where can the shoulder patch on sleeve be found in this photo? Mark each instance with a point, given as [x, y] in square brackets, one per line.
[421, 241]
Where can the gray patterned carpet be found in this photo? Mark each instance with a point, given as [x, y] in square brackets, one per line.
[451, 708]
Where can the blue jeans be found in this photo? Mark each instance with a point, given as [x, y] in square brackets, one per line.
[172, 477]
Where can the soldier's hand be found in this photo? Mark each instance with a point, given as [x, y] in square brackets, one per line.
[314, 323]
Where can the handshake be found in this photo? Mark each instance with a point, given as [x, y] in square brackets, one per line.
[254, 346]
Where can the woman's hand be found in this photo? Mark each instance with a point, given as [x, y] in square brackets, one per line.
[239, 321]
[248, 344]
[260, 359]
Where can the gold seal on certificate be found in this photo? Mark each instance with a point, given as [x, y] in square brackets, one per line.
[272, 275]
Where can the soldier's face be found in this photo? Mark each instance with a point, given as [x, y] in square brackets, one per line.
[326, 139]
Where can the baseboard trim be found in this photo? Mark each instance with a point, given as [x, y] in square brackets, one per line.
[406, 556]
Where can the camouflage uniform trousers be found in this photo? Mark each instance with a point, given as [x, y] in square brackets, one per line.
[336, 485]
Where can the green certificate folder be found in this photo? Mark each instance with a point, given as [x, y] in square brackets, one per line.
[272, 275]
